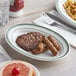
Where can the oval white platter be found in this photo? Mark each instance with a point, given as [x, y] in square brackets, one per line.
[13, 32]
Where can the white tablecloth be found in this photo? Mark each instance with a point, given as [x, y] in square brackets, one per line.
[33, 8]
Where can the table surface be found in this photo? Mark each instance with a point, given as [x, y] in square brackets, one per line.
[63, 67]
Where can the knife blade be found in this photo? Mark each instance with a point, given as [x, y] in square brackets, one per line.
[62, 23]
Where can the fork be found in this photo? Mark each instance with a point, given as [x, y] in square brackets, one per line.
[51, 22]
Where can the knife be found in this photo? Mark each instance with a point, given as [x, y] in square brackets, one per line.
[62, 23]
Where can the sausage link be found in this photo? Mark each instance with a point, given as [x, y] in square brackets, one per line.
[39, 49]
[55, 43]
[50, 46]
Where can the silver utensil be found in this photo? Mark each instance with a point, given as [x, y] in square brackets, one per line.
[54, 21]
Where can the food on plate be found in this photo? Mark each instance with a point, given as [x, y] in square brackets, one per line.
[70, 7]
[37, 43]
[17, 68]
[29, 41]
[40, 48]
[50, 45]
[55, 43]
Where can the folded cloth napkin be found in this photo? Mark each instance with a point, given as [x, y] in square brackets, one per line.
[3, 55]
[69, 36]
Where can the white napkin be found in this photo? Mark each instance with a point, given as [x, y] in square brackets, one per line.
[69, 36]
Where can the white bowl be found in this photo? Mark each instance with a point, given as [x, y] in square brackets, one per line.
[13, 32]
[62, 12]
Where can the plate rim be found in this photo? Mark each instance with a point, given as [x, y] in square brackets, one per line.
[64, 17]
[34, 57]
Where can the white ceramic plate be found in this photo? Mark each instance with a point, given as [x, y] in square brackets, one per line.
[62, 12]
[13, 32]
[37, 73]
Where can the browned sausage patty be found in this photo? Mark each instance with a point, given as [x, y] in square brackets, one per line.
[29, 41]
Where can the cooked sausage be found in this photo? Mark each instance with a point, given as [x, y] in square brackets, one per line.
[55, 43]
[39, 49]
[50, 46]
